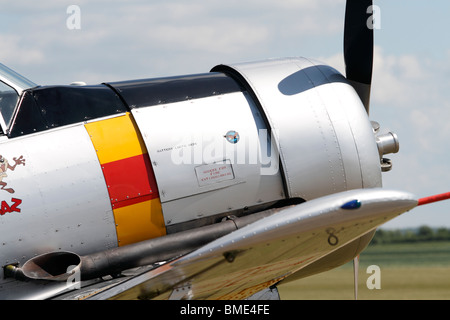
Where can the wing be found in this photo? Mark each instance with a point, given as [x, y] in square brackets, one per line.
[265, 252]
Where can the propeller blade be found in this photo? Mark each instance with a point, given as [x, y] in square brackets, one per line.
[358, 47]
[355, 275]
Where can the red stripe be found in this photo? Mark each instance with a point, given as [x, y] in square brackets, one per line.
[130, 178]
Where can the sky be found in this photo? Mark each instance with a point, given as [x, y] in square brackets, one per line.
[51, 43]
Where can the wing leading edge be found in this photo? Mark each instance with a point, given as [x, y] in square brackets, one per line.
[265, 252]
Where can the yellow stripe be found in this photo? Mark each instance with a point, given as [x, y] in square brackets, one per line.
[138, 222]
[116, 138]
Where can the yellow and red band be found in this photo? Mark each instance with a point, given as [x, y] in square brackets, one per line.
[129, 177]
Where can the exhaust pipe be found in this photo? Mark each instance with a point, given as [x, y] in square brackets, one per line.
[59, 266]
[54, 266]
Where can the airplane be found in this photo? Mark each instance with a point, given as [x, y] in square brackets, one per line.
[218, 185]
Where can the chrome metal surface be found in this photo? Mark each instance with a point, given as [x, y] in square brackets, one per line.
[198, 170]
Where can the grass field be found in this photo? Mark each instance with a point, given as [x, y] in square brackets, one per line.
[415, 271]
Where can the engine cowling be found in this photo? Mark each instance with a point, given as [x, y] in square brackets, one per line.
[248, 135]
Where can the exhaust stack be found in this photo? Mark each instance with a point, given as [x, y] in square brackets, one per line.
[59, 266]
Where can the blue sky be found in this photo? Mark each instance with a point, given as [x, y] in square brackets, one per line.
[121, 40]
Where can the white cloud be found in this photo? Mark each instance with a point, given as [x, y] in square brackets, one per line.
[15, 49]
[163, 37]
